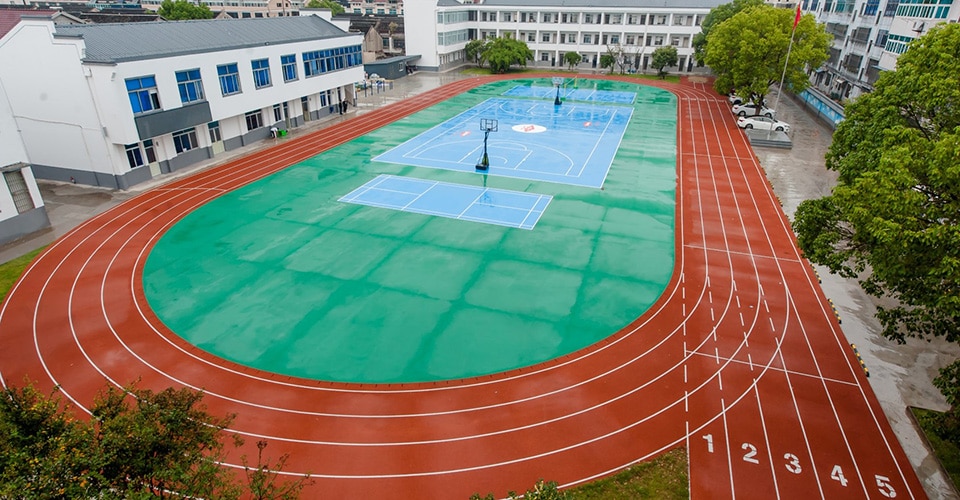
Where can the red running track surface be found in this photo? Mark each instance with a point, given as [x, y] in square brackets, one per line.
[741, 360]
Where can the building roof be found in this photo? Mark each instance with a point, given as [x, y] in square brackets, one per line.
[682, 4]
[113, 43]
[11, 17]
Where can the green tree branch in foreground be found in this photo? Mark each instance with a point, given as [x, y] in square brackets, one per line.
[893, 220]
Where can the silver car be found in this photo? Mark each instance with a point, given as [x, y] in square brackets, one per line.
[762, 123]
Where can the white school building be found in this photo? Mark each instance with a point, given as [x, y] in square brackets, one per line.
[438, 31]
[117, 104]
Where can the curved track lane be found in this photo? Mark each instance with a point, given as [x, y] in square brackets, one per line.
[740, 360]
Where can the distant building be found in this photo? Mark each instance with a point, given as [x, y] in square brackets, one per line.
[243, 9]
[376, 7]
[869, 36]
[117, 104]
[551, 28]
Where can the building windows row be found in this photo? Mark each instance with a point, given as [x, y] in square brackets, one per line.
[588, 18]
[323, 61]
[453, 37]
[135, 156]
[144, 97]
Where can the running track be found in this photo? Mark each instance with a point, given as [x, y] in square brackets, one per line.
[741, 360]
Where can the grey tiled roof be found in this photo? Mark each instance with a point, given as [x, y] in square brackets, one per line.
[112, 43]
[678, 4]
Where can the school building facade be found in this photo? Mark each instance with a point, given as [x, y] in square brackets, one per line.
[117, 104]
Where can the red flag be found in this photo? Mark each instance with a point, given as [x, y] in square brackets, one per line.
[796, 20]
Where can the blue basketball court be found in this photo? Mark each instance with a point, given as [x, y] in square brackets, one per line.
[573, 94]
[454, 201]
[570, 144]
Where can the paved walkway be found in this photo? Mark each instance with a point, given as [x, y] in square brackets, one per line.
[900, 375]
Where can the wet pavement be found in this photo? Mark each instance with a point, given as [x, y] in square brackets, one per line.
[899, 374]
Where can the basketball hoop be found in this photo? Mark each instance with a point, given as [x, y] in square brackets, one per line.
[557, 82]
[487, 125]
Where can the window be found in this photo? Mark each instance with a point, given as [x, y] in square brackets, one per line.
[614, 39]
[151, 153]
[185, 140]
[214, 129]
[143, 94]
[586, 38]
[545, 56]
[289, 66]
[229, 79]
[531, 37]
[631, 39]
[261, 73]
[254, 120]
[134, 155]
[545, 37]
[19, 191]
[191, 88]
[277, 115]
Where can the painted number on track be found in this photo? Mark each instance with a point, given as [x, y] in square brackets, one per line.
[751, 454]
[883, 484]
[837, 475]
[793, 463]
[709, 438]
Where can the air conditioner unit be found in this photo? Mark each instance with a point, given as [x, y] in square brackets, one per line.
[918, 26]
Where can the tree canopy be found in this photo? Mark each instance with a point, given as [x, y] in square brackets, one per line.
[138, 444]
[748, 51]
[475, 50]
[333, 5]
[716, 16]
[503, 52]
[572, 59]
[664, 57]
[893, 220]
[182, 9]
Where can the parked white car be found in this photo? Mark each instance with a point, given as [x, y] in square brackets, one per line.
[762, 123]
[751, 109]
[734, 99]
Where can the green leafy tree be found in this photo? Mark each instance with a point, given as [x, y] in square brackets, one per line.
[664, 57]
[333, 5]
[475, 50]
[504, 52]
[893, 220]
[182, 9]
[44, 451]
[608, 61]
[748, 51]
[572, 59]
[138, 444]
[716, 16]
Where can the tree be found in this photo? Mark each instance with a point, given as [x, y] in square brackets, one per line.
[138, 444]
[503, 52]
[716, 16]
[664, 57]
[747, 52]
[333, 5]
[613, 58]
[893, 219]
[608, 61]
[572, 59]
[475, 50]
[182, 9]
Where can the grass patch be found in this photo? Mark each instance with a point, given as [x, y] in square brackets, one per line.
[11, 271]
[663, 478]
[946, 451]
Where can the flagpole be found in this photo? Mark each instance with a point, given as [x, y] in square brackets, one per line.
[783, 76]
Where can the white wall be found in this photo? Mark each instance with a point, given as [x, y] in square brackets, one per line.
[420, 31]
[50, 101]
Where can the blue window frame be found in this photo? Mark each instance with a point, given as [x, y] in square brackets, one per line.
[229, 79]
[185, 140]
[261, 73]
[190, 85]
[289, 66]
[143, 94]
